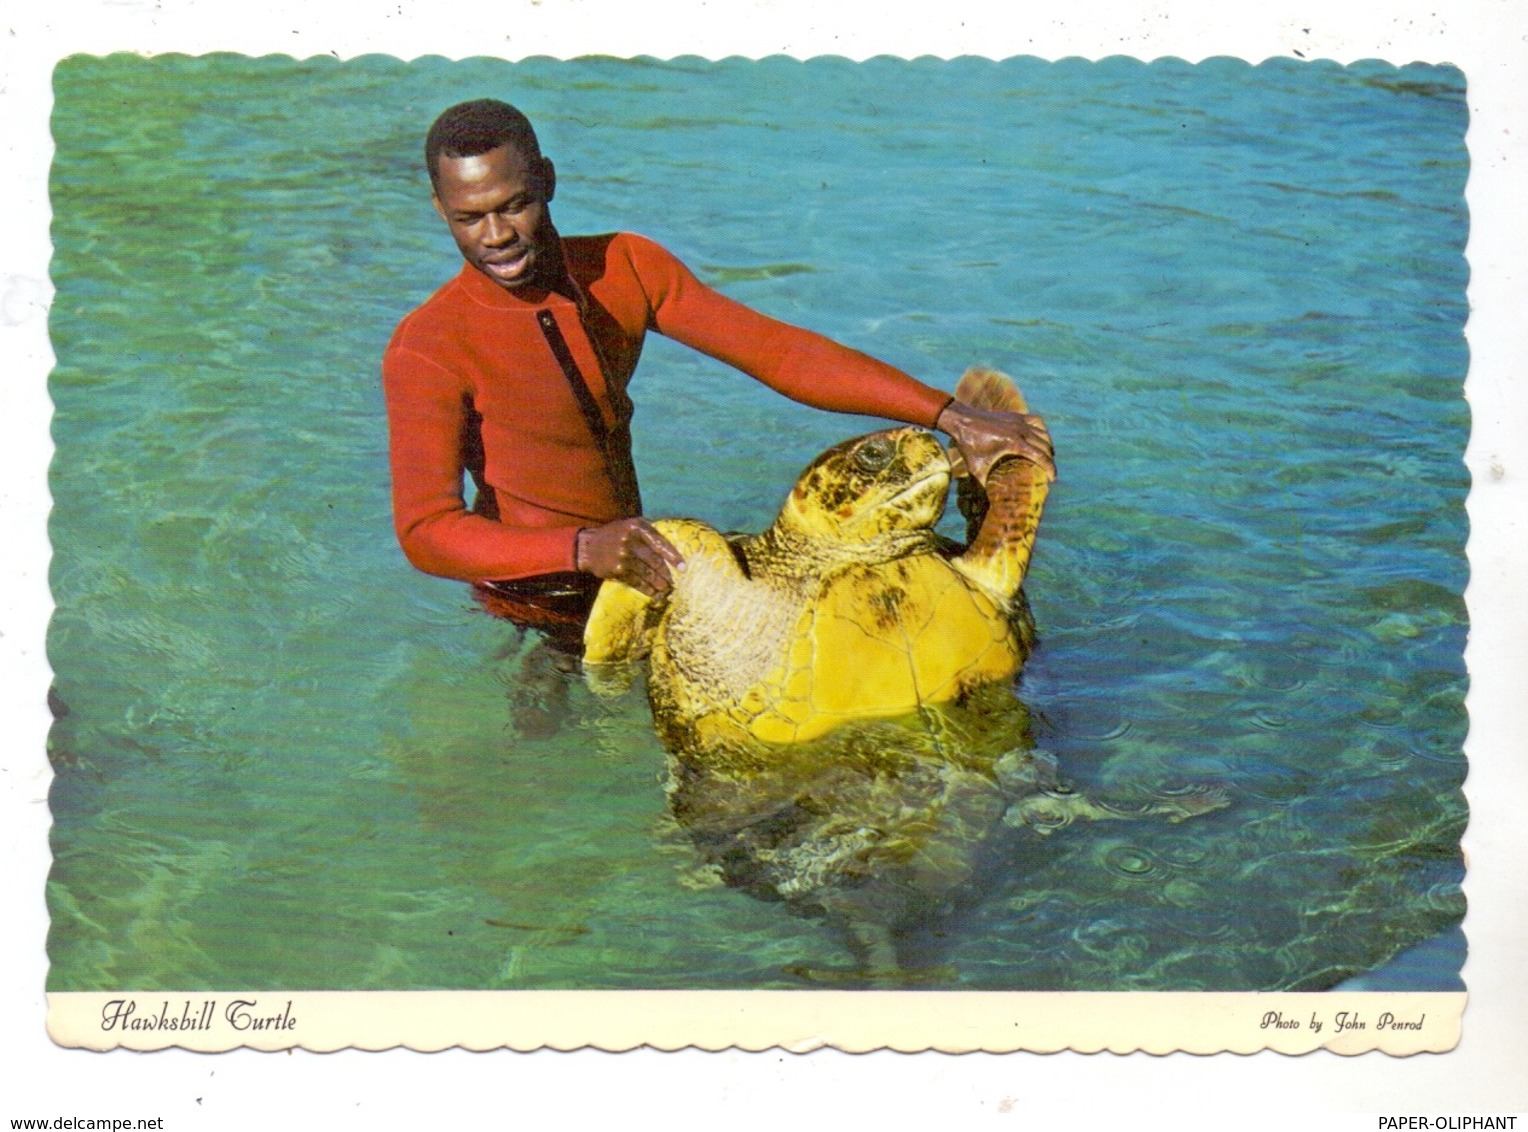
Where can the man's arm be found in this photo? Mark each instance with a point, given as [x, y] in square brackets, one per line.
[427, 421]
[817, 371]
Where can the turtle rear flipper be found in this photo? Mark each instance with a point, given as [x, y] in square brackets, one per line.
[1048, 811]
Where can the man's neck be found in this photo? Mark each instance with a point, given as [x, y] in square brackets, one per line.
[553, 274]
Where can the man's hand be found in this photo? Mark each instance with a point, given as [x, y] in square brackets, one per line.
[630, 551]
[985, 436]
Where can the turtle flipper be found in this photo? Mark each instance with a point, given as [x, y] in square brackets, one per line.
[998, 557]
[982, 387]
[621, 624]
[1003, 517]
[1048, 811]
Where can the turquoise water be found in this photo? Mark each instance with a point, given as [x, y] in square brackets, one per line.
[284, 759]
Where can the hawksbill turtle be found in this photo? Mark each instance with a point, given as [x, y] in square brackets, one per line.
[849, 607]
[836, 693]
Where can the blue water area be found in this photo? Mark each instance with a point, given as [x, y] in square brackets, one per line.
[1237, 294]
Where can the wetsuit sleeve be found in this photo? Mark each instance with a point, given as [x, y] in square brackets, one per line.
[804, 366]
[428, 419]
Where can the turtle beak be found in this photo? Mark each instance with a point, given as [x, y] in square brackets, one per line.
[935, 464]
[927, 491]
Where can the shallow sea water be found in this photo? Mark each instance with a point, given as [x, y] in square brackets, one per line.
[284, 759]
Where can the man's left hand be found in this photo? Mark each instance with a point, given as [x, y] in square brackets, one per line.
[985, 436]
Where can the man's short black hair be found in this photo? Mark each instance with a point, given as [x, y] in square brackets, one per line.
[471, 128]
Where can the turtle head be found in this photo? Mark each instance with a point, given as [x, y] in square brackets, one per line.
[881, 488]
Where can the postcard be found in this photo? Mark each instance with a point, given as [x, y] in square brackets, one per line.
[1197, 786]
[300, 785]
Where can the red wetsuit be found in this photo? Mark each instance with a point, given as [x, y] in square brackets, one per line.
[472, 384]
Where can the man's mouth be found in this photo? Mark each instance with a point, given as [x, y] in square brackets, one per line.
[507, 265]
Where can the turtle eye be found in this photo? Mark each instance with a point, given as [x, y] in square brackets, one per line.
[874, 454]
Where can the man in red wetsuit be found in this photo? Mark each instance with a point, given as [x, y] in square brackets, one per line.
[515, 373]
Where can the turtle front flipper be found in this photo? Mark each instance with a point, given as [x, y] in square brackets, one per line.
[1004, 517]
[998, 558]
[622, 621]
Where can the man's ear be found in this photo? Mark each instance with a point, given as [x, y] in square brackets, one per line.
[440, 209]
[546, 175]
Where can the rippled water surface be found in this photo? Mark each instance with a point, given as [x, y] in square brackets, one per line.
[284, 759]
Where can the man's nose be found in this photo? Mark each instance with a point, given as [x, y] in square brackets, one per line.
[498, 230]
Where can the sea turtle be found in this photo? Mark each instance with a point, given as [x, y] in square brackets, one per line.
[835, 694]
[849, 607]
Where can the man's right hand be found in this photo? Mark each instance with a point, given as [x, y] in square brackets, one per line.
[630, 551]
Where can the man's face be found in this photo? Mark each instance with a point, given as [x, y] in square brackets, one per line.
[496, 207]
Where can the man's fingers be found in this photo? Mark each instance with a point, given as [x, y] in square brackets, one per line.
[630, 551]
[648, 564]
[1043, 458]
[1037, 446]
[641, 577]
[1040, 436]
[645, 584]
[665, 549]
[1022, 451]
